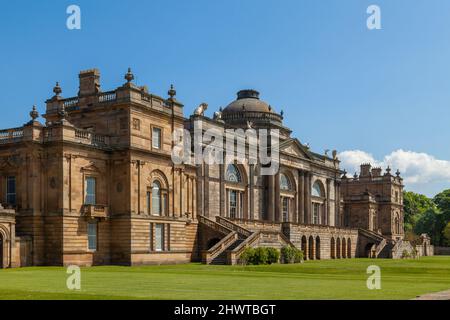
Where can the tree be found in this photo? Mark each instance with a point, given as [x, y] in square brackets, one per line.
[446, 235]
[430, 223]
[442, 201]
[415, 205]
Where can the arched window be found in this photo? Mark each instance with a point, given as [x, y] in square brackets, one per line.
[317, 190]
[1, 251]
[156, 198]
[285, 184]
[397, 224]
[235, 194]
[233, 174]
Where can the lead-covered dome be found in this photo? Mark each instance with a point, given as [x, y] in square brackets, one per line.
[248, 100]
[248, 107]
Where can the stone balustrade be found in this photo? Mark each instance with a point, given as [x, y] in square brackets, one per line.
[11, 135]
[95, 211]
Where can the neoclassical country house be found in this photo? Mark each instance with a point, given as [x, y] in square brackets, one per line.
[95, 185]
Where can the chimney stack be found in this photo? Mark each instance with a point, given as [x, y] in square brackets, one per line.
[365, 170]
[89, 82]
[376, 172]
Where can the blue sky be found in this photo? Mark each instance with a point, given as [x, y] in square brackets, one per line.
[340, 85]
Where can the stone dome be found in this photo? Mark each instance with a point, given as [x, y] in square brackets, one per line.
[248, 101]
[248, 108]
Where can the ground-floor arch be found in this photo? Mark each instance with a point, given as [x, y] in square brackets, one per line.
[349, 248]
[344, 248]
[311, 248]
[333, 248]
[368, 250]
[304, 247]
[1, 250]
[317, 248]
[338, 248]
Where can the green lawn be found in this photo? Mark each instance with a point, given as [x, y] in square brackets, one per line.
[332, 279]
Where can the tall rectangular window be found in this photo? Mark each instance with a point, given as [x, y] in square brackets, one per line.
[285, 207]
[159, 237]
[156, 138]
[233, 204]
[11, 190]
[90, 191]
[92, 236]
[316, 213]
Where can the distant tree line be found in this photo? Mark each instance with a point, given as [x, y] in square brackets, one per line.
[428, 215]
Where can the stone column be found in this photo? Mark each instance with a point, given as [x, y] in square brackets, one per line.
[337, 204]
[308, 197]
[271, 198]
[199, 190]
[188, 194]
[181, 176]
[221, 190]
[301, 197]
[328, 205]
[251, 195]
[194, 198]
[278, 214]
[206, 190]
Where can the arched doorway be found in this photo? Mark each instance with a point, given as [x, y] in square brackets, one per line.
[304, 247]
[333, 248]
[311, 248]
[338, 248]
[344, 248]
[349, 248]
[1, 250]
[368, 250]
[317, 248]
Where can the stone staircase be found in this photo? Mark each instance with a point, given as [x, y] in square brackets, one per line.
[382, 247]
[236, 239]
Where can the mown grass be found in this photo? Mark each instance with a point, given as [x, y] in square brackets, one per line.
[332, 279]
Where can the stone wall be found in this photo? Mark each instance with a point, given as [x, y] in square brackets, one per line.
[442, 251]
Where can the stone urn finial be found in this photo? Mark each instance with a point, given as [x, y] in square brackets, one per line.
[129, 76]
[57, 89]
[172, 92]
[34, 114]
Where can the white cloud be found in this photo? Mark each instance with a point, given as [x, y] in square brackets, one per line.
[417, 169]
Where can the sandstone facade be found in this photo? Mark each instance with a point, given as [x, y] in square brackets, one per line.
[96, 185]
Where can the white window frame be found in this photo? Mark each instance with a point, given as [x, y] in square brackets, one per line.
[86, 189]
[159, 135]
[93, 237]
[159, 246]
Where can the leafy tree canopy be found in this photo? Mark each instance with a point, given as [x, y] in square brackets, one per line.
[415, 206]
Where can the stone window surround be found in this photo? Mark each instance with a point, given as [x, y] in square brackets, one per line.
[87, 175]
[164, 197]
[161, 137]
[88, 223]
